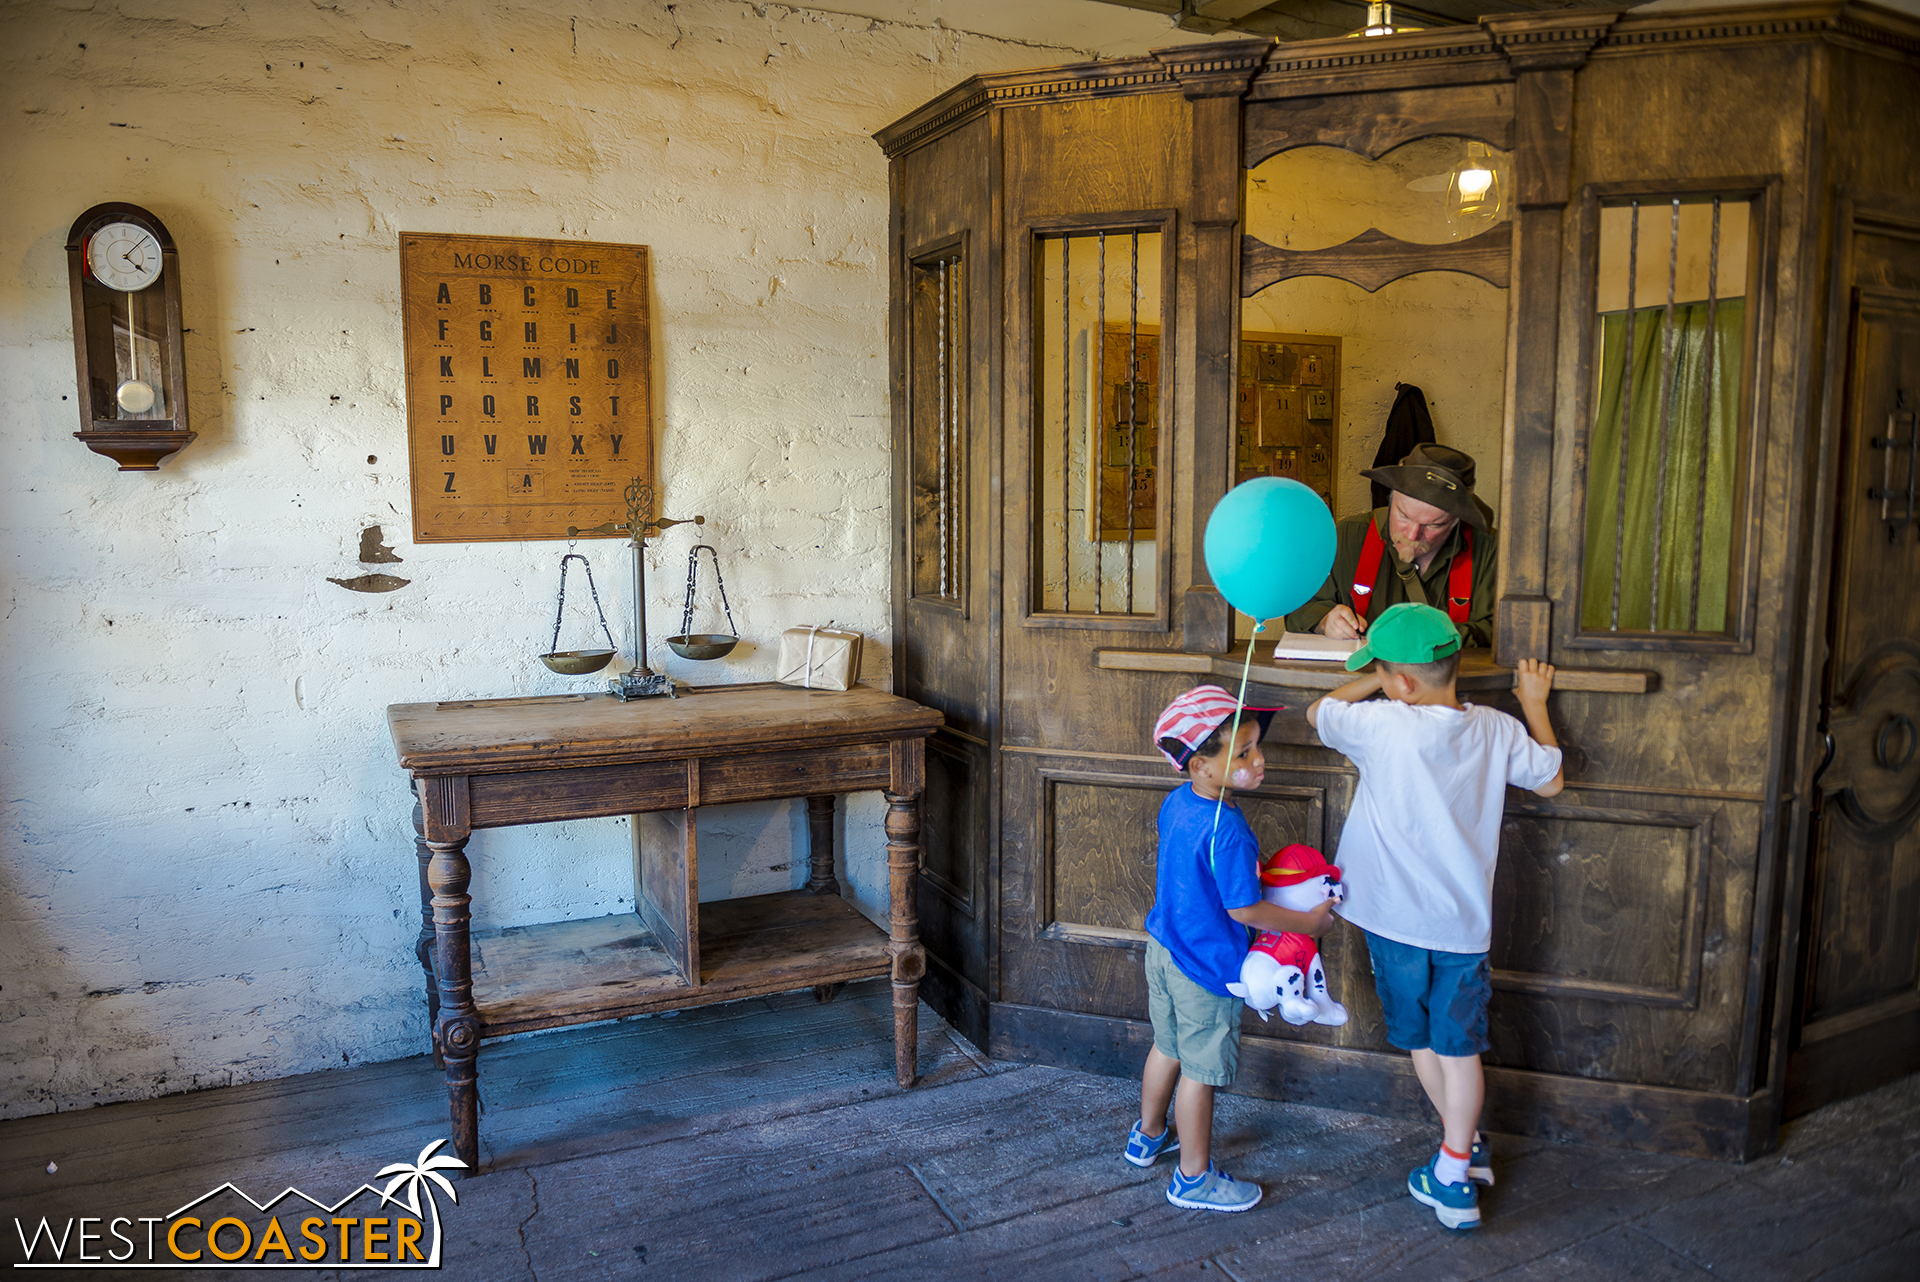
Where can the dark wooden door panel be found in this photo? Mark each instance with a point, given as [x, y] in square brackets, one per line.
[1858, 1018]
[946, 616]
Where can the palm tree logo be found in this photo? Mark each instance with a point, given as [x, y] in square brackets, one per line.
[415, 1175]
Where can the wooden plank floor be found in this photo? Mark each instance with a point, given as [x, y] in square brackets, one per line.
[766, 1139]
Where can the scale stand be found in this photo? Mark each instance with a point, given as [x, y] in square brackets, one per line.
[639, 681]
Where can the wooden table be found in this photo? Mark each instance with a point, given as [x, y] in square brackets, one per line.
[498, 762]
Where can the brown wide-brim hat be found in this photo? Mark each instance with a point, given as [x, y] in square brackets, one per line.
[1436, 474]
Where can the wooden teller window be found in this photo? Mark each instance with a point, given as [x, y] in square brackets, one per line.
[937, 438]
[1099, 442]
[1669, 494]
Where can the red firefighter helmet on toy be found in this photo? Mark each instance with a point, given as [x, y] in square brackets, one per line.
[1291, 865]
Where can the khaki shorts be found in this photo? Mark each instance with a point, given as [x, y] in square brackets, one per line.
[1190, 1024]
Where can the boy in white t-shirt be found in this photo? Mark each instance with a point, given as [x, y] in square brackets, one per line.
[1417, 857]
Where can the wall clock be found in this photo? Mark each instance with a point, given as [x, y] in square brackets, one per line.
[127, 348]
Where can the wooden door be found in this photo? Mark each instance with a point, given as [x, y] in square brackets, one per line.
[1858, 1019]
[945, 615]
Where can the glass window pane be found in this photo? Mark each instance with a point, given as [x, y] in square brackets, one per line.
[937, 361]
[1097, 422]
[1663, 473]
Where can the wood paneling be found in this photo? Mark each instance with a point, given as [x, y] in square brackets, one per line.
[1477, 671]
[1701, 1123]
[953, 818]
[1640, 924]
[1602, 903]
[1860, 963]
[1374, 124]
[666, 886]
[1101, 849]
[1373, 259]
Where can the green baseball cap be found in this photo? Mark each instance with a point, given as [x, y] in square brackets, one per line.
[1407, 633]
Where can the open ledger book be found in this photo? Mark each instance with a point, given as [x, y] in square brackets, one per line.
[1313, 647]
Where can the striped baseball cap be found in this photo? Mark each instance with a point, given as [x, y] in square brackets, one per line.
[1186, 722]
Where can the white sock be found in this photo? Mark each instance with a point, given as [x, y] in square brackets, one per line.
[1449, 1167]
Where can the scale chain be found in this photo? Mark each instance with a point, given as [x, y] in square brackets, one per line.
[560, 607]
[693, 573]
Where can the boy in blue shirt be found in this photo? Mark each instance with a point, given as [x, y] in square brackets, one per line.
[1206, 895]
[1418, 853]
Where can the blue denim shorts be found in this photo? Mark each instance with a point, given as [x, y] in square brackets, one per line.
[1432, 1000]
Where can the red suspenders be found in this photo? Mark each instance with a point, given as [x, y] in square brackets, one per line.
[1459, 578]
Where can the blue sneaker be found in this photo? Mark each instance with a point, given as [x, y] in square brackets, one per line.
[1211, 1190]
[1456, 1206]
[1145, 1150]
[1480, 1164]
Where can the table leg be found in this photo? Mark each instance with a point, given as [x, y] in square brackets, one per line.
[457, 1031]
[909, 958]
[423, 942]
[820, 846]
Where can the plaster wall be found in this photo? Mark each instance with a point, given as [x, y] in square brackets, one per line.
[206, 870]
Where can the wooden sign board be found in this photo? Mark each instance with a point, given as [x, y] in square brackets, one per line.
[529, 384]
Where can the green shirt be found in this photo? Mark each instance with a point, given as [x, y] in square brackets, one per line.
[1399, 581]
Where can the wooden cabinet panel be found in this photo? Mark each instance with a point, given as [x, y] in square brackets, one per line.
[1626, 961]
[953, 822]
[1602, 903]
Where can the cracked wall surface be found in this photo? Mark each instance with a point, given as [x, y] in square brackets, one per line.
[206, 863]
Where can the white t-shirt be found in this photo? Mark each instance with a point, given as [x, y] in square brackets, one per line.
[1420, 842]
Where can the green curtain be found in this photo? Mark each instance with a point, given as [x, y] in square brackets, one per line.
[1699, 417]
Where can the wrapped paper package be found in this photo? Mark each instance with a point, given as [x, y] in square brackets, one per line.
[819, 658]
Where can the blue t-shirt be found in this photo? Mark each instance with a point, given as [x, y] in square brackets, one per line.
[1190, 901]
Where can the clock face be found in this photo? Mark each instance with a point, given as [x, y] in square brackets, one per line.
[124, 256]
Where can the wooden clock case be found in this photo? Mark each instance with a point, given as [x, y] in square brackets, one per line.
[139, 442]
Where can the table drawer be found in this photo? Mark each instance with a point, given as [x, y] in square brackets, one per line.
[804, 772]
[584, 792]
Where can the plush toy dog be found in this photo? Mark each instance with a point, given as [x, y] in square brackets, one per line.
[1284, 970]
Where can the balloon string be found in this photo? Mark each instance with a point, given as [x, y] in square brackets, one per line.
[1233, 735]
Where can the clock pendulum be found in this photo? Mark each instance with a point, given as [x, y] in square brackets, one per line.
[134, 396]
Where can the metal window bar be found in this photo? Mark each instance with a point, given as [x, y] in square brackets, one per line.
[1133, 397]
[1066, 424]
[939, 294]
[1098, 391]
[1626, 419]
[1706, 416]
[1665, 392]
[944, 417]
[955, 459]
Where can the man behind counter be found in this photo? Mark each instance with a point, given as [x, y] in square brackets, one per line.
[1433, 544]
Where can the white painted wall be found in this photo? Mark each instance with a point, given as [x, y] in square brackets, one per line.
[206, 869]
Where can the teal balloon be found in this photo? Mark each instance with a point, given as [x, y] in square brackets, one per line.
[1269, 546]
